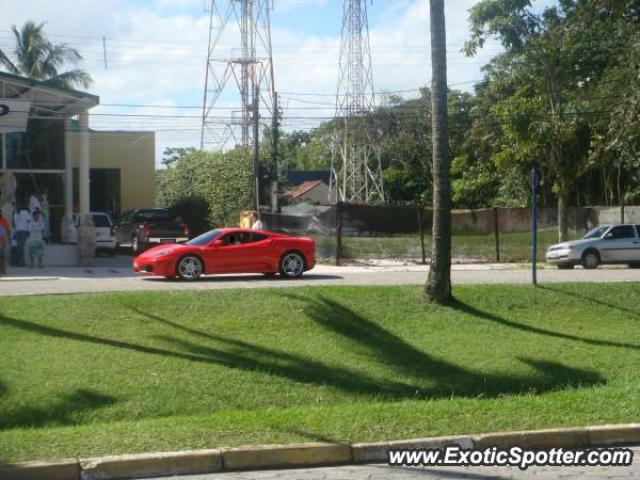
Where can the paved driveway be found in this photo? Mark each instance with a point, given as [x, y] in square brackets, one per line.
[120, 278]
[384, 472]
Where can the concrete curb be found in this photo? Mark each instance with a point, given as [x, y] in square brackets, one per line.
[151, 465]
[307, 454]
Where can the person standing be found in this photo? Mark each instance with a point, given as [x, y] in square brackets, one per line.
[35, 242]
[5, 242]
[254, 219]
[21, 223]
[46, 214]
[34, 203]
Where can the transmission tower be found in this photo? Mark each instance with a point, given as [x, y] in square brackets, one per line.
[355, 166]
[239, 73]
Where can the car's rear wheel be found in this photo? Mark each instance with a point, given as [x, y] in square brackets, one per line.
[189, 268]
[590, 259]
[292, 265]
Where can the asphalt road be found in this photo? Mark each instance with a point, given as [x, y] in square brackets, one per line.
[102, 279]
[384, 472]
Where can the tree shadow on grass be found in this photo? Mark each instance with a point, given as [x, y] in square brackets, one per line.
[473, 311]
[591, 299]
[426, 375]
[58, 411]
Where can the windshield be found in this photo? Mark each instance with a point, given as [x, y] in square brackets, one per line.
[205, 238]
[596, 232]
[152, 216]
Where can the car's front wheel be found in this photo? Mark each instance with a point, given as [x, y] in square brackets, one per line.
[189, 268]
[292, 265]
[590, 259]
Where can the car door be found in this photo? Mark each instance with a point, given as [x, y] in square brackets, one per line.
[240, 252]
[619, 244]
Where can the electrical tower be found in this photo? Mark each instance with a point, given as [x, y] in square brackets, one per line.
[239, 73]
[356, 175]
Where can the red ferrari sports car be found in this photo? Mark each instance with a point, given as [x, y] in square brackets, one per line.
[230, 250]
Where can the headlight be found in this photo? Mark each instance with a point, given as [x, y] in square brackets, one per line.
[162, 253]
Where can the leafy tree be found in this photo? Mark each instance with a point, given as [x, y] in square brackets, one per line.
[220, 180]
[37, 58]
[543, 116]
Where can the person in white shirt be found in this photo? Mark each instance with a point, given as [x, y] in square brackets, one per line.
[21, 221]
[34, 203]
[35, 244]
[254, 219]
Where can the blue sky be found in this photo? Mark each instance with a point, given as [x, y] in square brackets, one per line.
[156, 52]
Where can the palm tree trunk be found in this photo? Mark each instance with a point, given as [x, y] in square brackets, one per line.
[438, 286]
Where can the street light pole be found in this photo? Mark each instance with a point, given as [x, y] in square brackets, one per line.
[534, 225]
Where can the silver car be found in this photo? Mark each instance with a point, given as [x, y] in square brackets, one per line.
[604, 244]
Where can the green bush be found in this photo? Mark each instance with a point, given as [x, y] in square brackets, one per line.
[207, 188]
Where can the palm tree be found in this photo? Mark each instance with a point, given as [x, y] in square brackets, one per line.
[438, 286]
[37, 58]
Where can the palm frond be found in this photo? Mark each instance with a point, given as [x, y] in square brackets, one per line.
[7, 63]
[76, 78]
[30, 49]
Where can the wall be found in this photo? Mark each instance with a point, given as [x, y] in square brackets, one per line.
[134, 154]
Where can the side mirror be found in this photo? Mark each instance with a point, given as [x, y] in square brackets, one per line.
[608, 236]
[218, 243]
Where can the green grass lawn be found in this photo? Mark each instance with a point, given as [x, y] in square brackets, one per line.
[84, 375]
[514, 247]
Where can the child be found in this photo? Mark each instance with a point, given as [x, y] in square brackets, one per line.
[35, 243]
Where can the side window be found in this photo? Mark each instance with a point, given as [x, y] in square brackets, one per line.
[638, 229]
[234, 238]
[258, 237]
[621, 231]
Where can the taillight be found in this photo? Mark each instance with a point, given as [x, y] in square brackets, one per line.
[185, 230]
[145, 230]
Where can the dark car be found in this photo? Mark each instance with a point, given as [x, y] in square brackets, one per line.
[144, 227]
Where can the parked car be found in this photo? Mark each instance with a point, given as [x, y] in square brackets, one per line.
[606, 244]
[105, 236]
[230, 250]
[145, 227]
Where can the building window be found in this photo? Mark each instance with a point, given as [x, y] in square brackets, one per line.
[41, 147]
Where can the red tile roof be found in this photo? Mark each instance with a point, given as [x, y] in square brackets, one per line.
[303, 188]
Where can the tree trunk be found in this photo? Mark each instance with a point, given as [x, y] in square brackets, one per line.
[563, 214]
[438, 286]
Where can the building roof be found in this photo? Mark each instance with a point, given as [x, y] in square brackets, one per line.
[303, 188]
[46, 100]
[296, 177]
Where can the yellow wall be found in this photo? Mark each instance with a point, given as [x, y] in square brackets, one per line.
[134, 154]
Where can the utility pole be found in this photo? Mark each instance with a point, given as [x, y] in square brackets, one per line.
[356, 174]
[256, 148]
